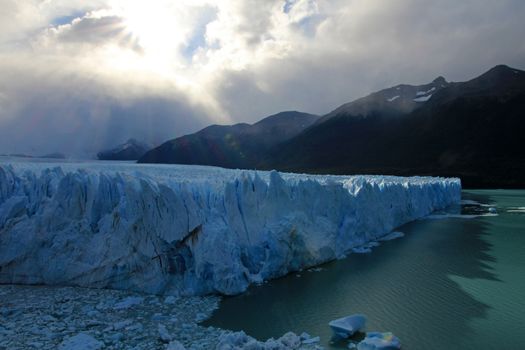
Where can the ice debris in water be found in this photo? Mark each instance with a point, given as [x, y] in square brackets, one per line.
[128, 302]
[175, 345]
[379, 341]
[54, 317]
[81, 341]
[164, 335]
[170, 300]
[240, 341]
[308, 339]
[183, 230]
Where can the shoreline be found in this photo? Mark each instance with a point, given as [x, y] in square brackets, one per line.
[52, 317]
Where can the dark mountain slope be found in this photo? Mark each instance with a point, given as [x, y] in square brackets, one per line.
[235, 146]
[474, 130]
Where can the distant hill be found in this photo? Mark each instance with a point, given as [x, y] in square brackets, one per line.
[232, 146]
[130, 150]
[474, 130]
[55, 155]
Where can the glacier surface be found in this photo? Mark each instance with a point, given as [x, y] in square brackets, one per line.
[192, 230]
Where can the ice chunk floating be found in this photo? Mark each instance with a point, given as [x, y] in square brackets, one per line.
[192, 230]
[345, 327]
[379, 341]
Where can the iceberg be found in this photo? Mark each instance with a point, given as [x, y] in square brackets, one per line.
[192, 230]
[347, 326]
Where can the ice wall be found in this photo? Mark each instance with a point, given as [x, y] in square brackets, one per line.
[191, 230]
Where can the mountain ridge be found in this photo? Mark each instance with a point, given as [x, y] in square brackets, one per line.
[440, 128]
[239, 145]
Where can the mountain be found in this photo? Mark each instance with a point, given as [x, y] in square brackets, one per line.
[130, 150]
[231, 146]
[472, 129]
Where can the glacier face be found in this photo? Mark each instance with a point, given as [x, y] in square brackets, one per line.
[191, 230]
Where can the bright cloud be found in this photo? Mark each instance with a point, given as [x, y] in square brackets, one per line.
[82, 77]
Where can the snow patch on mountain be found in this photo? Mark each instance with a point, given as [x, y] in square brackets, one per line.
[423, 93]
[393, 98]
[423, 98]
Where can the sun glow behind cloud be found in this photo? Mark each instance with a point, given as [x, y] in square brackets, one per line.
[158, 29]
[146, 48]
[162, 45]
[188, 45]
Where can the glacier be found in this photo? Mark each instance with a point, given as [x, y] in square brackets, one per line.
[192, 230]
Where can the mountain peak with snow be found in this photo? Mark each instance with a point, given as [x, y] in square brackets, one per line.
[397, 100]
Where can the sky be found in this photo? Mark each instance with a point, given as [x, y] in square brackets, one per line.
[80, 76]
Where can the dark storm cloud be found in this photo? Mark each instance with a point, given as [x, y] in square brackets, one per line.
[77, 116]
[79, 126]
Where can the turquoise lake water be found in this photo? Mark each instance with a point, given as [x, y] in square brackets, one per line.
[452, 283]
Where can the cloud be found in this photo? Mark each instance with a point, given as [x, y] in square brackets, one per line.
[77, 76]
[93, 30]
[362, 46]
[71, 113]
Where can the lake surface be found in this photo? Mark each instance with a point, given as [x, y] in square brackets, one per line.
[452, 283]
